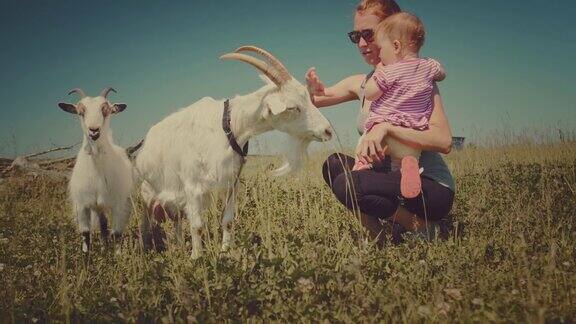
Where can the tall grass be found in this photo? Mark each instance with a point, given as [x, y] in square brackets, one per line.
[299, 255]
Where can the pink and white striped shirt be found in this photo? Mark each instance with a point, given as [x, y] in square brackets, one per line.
[407, 93]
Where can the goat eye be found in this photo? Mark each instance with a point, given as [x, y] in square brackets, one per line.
[296, 109]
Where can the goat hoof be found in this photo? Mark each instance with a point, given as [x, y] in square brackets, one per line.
[85, 236]
[116, 237]
[105, 242]
[147, 243]
[195, 255]
[225, 248]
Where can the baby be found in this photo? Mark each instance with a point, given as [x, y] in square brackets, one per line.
[401, 92]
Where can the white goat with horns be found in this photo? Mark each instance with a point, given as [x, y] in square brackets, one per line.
[102, 177]
[188, 155]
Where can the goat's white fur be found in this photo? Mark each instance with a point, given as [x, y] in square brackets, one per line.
[186, 156]
[102, 177]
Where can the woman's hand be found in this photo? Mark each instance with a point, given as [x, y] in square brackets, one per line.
[370, 148]
[343, 91]
[315, 86]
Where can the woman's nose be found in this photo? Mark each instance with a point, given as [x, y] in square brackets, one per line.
[362, 42]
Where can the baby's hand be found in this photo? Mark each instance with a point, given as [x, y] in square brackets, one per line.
[440, 73]
[361, 165]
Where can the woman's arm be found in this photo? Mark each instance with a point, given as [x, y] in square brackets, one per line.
[438, 137]
[343, 91]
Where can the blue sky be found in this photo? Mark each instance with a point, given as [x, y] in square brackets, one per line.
[508, 62]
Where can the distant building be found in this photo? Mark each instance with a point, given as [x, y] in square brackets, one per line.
[458, 143]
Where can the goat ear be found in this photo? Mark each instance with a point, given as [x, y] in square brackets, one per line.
[273, 106]
[69, 108]
[118, 107]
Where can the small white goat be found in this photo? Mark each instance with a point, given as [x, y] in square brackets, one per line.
[102, 177]
[187, 155]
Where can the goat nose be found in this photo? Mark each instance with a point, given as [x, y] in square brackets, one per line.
[328, 133]
[94, 129]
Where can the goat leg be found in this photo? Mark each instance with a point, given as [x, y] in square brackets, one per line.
[193, 209]
[151, 231]
[227, 220]
[145, 232]
[83, 216]
[158, 237]
[119, 220]
[104, 232]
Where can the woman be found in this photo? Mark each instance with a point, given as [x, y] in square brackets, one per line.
[376, 191]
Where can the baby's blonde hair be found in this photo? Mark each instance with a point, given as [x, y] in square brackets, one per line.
[404, 27]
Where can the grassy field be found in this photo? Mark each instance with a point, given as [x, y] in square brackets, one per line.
[299, 255]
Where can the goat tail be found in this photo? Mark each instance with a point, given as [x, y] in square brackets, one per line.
[138, 176]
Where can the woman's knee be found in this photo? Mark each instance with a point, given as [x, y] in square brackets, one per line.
[334, 166]
[344, 190]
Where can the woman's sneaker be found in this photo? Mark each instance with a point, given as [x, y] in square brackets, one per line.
[410, 184]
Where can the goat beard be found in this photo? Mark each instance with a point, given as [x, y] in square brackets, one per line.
[295, 155]
[90, 147]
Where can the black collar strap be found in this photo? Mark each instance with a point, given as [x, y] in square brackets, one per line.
[228, 130]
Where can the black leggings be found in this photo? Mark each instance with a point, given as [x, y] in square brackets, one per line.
[376, 192]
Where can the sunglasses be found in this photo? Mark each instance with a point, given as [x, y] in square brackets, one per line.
[355, 35]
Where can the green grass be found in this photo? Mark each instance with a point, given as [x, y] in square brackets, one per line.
[298, 255]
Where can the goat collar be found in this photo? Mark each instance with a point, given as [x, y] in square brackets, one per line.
[228, 130]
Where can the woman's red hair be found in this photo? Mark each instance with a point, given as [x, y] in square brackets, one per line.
[380, 8]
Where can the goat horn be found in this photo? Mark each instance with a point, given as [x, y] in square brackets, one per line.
[78, 91]
[259, 64]
[282, 70]
[106, 90]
